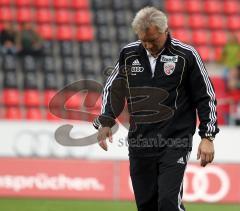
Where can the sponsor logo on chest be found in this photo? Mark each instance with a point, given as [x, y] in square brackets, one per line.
[169, 63]
[165, 58]
[136, 67]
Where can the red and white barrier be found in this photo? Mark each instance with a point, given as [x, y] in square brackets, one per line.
[108, 180]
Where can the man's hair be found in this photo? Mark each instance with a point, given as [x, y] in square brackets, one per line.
[149, 16]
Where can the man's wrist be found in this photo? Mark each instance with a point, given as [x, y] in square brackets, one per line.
[209, 138]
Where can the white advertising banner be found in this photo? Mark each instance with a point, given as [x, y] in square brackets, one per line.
[27, 139]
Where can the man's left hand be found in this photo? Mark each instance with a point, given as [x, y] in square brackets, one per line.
[205, 152]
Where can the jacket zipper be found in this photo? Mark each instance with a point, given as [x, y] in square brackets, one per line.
[153, 73]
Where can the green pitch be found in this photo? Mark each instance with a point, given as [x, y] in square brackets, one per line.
[75, 205]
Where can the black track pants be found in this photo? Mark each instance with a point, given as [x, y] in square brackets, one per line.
[157, 181]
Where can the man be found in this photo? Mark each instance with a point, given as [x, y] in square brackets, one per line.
[164, 82]
[8, 39]
[29, 42]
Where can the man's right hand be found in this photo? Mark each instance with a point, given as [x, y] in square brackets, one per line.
[103, 134]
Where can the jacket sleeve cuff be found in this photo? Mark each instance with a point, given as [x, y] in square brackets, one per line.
[104, 121]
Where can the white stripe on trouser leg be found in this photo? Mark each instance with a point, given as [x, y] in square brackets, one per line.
[188, 156]
[180, 198]
[181, 186]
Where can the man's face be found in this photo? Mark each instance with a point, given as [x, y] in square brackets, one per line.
[152, 39]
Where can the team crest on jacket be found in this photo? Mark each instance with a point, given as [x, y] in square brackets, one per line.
[169, 67]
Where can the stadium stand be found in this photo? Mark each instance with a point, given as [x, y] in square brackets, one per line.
[82, 38]
[206, 25]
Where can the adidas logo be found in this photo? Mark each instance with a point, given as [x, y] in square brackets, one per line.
[181, 161]
[136, 62]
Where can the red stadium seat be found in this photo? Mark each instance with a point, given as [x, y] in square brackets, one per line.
[205, 53]
[193, 6]
[92, 101]
[33, 114]
[47, 31]
[21, 3]
[231, 6]
[218, 37]
[1, 100]
[213, 6]
[197, 21]
[89, 116]
[83, 17]
[75, 101]
[200, 37]
[177, 20]
[32, 97]
[64, 32]
[233, 22]
[24, 15]
[6, 14]
[222, 95]
[217, 53]
[1, 112]
[83, 4]
[183, 35]
[5, 2]
[216, 21]
[235, 95]
[61, 3]
[71, 115]
[41, 3]
[63, 16]
[174, 6]
[48, 95]
[85, 33]
[43, 16]
[13, 113]
[50, 116]
[90, 106]
[11, 97]
[220, 86]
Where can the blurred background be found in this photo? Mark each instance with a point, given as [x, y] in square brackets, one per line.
[46, 45]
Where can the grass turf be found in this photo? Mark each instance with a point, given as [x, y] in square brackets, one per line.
[76, 205]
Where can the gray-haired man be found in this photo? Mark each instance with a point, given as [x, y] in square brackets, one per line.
[165, 83]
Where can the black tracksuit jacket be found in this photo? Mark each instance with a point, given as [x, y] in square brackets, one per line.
[183, 90]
